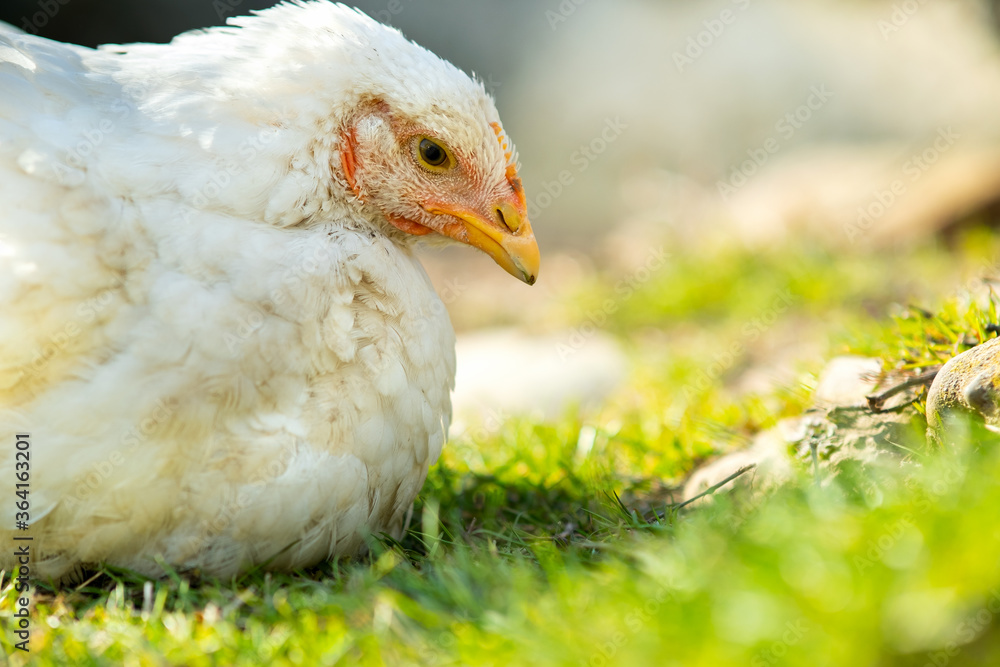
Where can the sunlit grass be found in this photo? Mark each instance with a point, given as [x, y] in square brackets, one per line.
[560, 542]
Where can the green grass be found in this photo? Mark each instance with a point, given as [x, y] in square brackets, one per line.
[559, 543]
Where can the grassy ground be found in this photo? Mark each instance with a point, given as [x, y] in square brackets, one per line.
[558, 543]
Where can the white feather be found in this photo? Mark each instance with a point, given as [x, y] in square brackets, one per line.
[218, 359]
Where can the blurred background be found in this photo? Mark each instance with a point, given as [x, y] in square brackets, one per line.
[861, 126]
[749, 211]
[671, 98]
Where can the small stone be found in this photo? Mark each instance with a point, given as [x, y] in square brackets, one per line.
[769, 452]
[846, 381]
[838, 428]
[968, 385]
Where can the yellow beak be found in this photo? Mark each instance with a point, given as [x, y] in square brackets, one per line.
[508, 238]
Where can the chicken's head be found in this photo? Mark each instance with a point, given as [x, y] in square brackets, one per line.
[446, 171]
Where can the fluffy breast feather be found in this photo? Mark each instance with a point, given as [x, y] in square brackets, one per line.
[205, 377]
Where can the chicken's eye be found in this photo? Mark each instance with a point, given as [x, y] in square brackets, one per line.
[433, 156]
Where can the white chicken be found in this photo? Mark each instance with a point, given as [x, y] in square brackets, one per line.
[212, 324]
